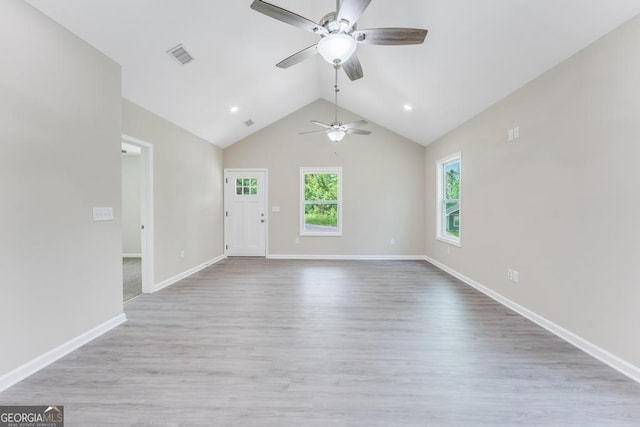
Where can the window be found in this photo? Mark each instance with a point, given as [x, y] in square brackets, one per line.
[321, 201]
[449, 185]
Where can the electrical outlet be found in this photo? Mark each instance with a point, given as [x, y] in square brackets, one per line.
[513, 133]
[392, 241]
[182, 253]
[513, 275]
[297, 241]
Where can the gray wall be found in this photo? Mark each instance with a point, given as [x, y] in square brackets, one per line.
[60, 124]
[131, 203]
[188, 195]
[560, 205]
[383, 184]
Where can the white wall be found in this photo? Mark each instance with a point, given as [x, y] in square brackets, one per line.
[188, 195]
[560, 205]
[60, 124]
[383, 184]
[131, 203]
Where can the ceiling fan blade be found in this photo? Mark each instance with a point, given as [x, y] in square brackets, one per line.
[390, 36]
[351, 10]
[357, 123]
[353, 68]
[358, 131]
[298, 57]
[326, 126]
[285, 16]
[309, 133]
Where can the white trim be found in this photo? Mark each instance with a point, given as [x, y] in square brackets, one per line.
[131, 255]
[449, 240]
[349, 257]
[320, 170]
[588, 347]
[456, 241]
[172, 280]
[20, 373]
[148, 245]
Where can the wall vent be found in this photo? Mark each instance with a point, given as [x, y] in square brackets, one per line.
[180, 54]
[249, 123]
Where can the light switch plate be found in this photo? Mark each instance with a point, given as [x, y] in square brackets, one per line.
[102, 214]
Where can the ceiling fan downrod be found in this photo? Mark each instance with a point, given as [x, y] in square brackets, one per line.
[335, 87]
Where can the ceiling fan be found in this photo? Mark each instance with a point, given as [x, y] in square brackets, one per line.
[336, 130]
[339, 34]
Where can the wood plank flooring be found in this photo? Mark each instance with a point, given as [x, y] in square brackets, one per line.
[255, 342]
[131, 278]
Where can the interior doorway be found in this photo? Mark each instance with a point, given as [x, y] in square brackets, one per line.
[137, 217]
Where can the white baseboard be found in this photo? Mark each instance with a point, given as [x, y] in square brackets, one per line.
[131, 255]
[350, 257]
[170, 281]
[40, 362]
[588, 347]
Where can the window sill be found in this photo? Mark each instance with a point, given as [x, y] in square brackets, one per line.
[320, 234]
[449, 240]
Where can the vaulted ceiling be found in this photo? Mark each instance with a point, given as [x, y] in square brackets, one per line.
[476, 52]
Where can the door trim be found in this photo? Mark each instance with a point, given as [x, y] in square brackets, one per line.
[147, 247]
[266, 204]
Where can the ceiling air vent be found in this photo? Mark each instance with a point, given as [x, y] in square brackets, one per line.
[249, 123]
[180, 54]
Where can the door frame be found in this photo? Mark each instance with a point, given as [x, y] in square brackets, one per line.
[266, 204]
[147, 241]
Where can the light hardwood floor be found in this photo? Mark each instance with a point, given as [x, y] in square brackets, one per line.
[252, 342]
[131, 278]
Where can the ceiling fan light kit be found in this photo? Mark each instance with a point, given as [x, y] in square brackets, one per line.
[337, 130]
[339, 39]
[337, 48]
[339, 36]
[336, 135]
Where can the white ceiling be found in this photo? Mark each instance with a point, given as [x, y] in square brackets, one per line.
[476, 52]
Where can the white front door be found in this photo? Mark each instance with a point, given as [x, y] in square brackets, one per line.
[245, 221]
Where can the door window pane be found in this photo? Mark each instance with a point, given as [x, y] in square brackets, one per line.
[247, 186]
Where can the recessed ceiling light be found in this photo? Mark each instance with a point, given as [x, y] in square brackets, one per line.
[408, 107]
[234, 109]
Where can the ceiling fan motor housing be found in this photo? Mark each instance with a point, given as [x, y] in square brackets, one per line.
[339, 35]
[331, 24]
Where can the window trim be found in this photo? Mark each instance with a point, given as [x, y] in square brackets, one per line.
[320, 170]
[456, 241]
